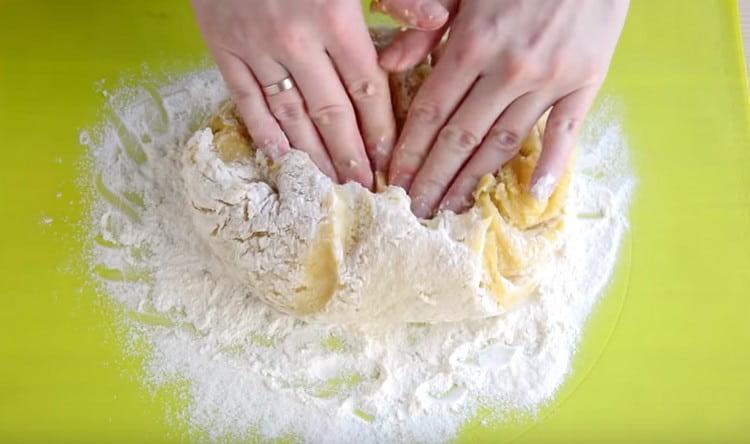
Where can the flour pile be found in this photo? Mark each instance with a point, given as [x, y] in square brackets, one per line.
[255, 371]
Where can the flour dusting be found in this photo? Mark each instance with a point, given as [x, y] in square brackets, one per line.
[255, 371]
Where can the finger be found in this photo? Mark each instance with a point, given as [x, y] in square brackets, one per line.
[332, 113]
[559, 138]
[288, 109]
[458, 140]
[248, 98]
[434, 103]
[356, 61]
[420, 14]
[409, 48]
[499, 146]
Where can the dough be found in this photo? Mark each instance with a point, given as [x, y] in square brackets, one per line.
[341, 253]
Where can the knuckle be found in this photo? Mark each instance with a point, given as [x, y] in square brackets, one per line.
[506, 142]
[594, 79]
[469, 52]
[327, 115]
[593, 73]
[555, 68]
[291, 39]
[427, 112]
[475, 43]
[287, 112]
[482, 27]
[458, 138]
[336, 20]
[241, 94]
[567, 124]
[514, 66]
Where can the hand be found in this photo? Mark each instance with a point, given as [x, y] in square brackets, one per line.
[505, 63]
[326, 49]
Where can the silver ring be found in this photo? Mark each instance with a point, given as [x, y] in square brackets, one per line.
[278, 87]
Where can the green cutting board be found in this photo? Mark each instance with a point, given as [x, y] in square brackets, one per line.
[666, 355]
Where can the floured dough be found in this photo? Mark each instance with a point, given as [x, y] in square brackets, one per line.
[341, 253]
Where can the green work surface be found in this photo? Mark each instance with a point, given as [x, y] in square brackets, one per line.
[666, 357]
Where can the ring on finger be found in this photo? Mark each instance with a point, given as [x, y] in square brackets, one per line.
[282, 85]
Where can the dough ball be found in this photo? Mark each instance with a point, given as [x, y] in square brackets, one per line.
[343, 254]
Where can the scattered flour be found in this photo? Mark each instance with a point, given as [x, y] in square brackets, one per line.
[252, 370]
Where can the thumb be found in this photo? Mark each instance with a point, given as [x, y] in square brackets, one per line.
[425, 15]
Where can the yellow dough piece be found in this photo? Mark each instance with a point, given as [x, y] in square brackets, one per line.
[231, 138]
[513, 214]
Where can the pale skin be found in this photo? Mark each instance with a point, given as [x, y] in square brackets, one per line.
[505, 63]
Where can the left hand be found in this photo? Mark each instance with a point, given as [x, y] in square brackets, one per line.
[505, 63]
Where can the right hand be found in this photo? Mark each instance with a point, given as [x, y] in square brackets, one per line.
[327, 51]
[504, 64]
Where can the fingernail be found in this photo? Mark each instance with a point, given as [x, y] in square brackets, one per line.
[432, 12]
[408, 17]
[420, 208]
[543, 187]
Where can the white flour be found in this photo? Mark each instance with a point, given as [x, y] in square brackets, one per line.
[253, 371]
